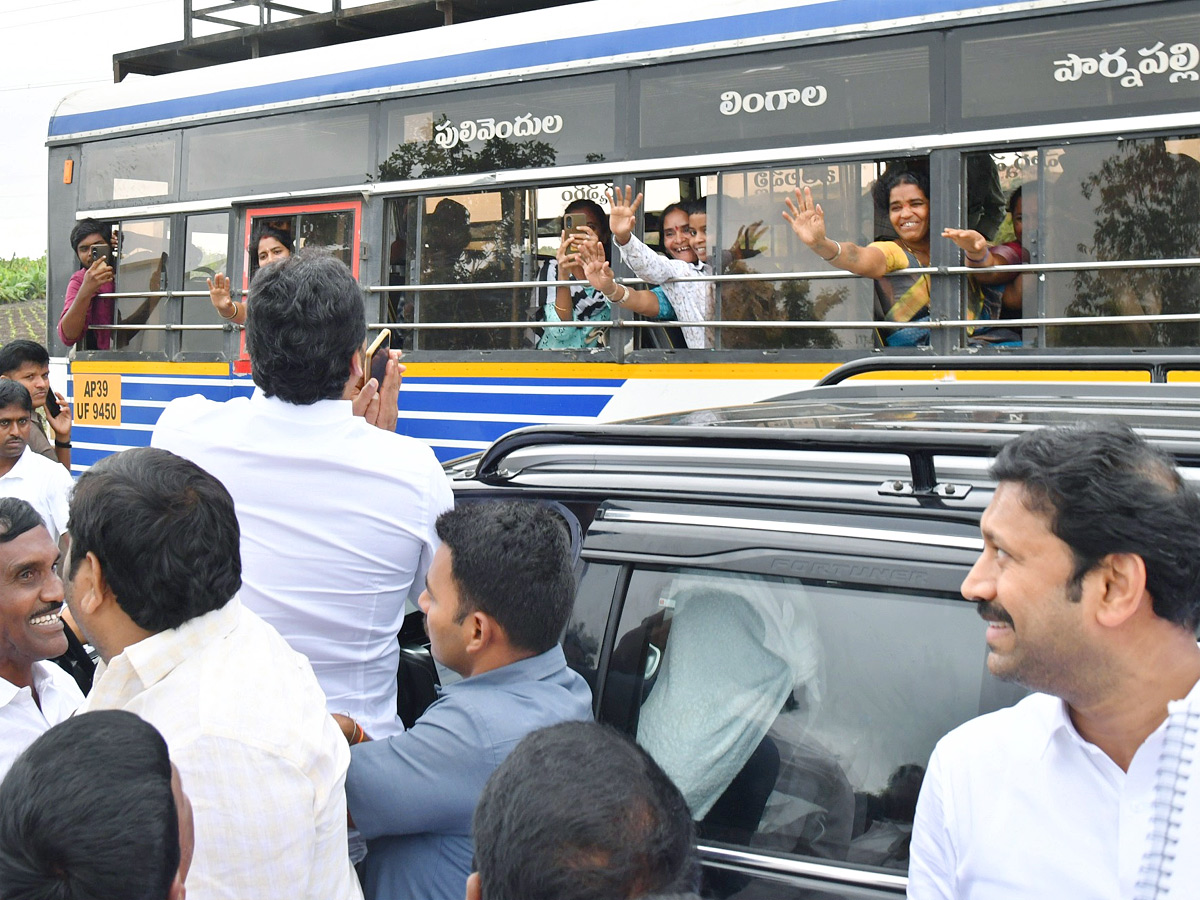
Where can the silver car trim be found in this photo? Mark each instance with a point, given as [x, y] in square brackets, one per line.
[799, 867]
[871, 534]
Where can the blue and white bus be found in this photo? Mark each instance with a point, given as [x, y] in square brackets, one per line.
[1092, 107]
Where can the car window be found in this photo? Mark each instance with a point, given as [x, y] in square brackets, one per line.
[796, 717]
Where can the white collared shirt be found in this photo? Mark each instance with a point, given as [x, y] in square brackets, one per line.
[693, 300]
[22, 720]
[262, 762]
[1017, 804]
[45, 485]
[337, 521]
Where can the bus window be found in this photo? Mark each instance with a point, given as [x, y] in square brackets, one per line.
[1123, 200]
[472, 239]
[205, 254]
[400, 219]
[754, 240]
[1102, 201]
[142, 268]
[587, 204]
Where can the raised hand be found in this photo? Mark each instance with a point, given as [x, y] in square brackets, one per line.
[219, 294]
[62, 422]
[567, 256]
[747, 236]
[98, 274]
[972, 243]
[622, 213]
[806, 217]
[596, 268]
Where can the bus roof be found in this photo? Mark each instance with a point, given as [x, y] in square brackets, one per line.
[569, 38]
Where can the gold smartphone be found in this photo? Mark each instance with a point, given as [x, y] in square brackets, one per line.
[375, 365]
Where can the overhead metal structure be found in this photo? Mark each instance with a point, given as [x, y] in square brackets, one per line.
[249, 29]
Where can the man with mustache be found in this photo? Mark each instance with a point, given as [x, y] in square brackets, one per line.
[1089, 582]
[34, 693]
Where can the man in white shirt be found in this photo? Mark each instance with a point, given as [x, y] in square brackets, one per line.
[1090, 584]
[337, 517]
[154, 567]
[34, 694]
[45, 485]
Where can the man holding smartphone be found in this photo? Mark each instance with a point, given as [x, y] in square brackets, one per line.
[84, 306]
[29, 363]
[337, 515]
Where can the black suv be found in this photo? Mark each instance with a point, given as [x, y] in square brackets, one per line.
[769, 594]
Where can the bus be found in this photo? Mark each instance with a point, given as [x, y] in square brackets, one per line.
[438, 165]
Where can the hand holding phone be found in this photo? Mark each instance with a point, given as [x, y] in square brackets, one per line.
[378, 354]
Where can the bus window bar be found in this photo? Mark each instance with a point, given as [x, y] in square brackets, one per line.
[1190, 262]
[934, 324]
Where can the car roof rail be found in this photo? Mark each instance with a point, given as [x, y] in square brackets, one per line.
[919, 446]
[1156, 365]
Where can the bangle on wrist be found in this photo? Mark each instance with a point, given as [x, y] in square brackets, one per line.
[65, 445]
[836, 254]
[971, 258]
[232, 315]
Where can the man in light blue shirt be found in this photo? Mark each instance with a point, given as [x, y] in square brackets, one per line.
[497, 597]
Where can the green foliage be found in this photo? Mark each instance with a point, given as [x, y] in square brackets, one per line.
[22, 279]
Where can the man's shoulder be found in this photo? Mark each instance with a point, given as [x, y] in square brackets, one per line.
[34, 465]
[1022, 727]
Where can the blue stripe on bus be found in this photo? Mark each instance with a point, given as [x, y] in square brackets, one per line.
[118, 437]
[613, 383]
[532, 404]
[522, 56]
[432, 430]
[168, 390]
[445, 454]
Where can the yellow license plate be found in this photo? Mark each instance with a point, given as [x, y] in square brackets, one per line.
[97, 399]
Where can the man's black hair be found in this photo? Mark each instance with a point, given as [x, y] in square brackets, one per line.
[85, 228]
[87, 813]
[17, 517]
[579, 812]
[17, 353]
[512, 561]
[881, 191]
[164, 531]
[1105, 490]
[13, 393]
[304, 322]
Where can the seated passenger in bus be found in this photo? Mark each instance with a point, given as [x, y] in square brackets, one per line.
[584, 254]
[900, 296]
[83, 305]
[691, 300]
[268, 244]
[1004, 289]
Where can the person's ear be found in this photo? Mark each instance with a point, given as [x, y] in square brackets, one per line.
[482, 631]
[91, 590]
[1123, 588]
[474, 887]
[356, 366]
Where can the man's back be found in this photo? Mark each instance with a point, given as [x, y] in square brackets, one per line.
[263, 763]
[337, 528]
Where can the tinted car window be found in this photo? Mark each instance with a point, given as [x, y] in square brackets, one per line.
[796, 717]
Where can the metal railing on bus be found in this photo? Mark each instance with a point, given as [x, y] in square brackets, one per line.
[934, 324]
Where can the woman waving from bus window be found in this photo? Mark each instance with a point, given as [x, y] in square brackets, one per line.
[692, 300]
[901, 296]
[582, 254]
[268, 244]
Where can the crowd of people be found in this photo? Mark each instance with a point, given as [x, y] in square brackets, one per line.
[243, 579]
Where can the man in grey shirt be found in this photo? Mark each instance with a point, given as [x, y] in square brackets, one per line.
[497, 598]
